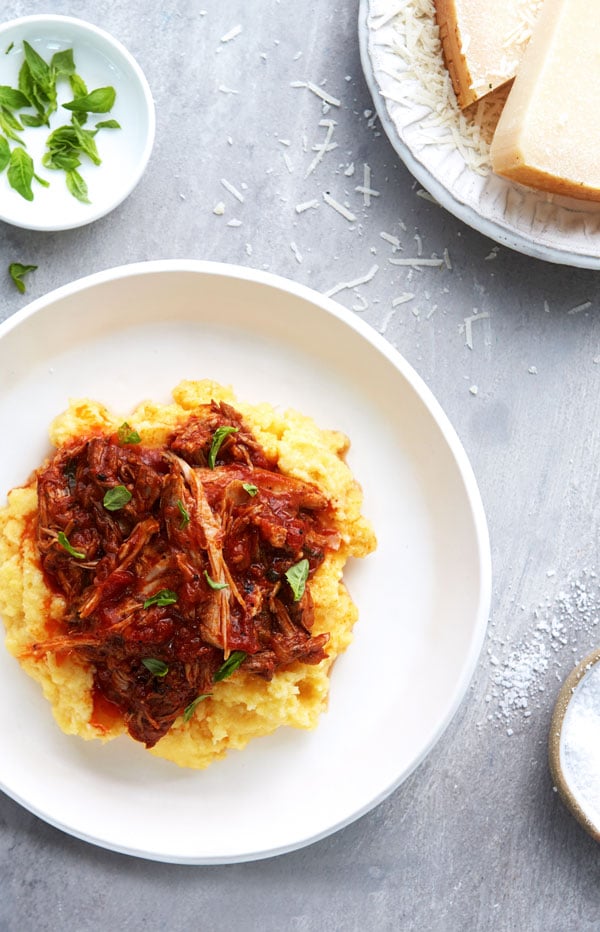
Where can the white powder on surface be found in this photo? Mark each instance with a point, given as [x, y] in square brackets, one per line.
[563, 630]
[580, 744]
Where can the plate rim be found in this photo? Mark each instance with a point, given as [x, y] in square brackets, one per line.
[458, 453]
[494, 231]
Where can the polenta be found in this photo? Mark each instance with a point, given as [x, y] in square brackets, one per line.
[178, 576]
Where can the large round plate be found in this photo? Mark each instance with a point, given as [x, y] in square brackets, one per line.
[558, 229]
[133, 333]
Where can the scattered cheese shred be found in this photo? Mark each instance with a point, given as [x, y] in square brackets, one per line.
[325, 97]
[343, 286]
[392, 240]
[232, 190]
[417, 262]
[402, 298]
[232, 34]
[296, 252]
[306, 205]
[468, 322]
[580, 307]
[347, 214]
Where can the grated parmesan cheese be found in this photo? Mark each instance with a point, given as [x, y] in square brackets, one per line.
[342, 286]
[232, 34]
[347, 214]
[232, 190]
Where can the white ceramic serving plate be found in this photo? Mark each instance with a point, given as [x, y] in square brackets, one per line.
[101, 61]
[558, 229]
[133, 333]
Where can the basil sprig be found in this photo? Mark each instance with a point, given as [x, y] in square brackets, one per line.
[235, 660]
[191, 708]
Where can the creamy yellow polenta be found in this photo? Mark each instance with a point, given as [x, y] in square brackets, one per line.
[244, 706]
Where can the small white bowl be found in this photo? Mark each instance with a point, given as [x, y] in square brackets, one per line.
[100, 60]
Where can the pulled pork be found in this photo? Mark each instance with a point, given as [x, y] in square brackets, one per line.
[181, 568]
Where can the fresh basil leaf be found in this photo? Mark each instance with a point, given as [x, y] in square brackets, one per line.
[42, 181]
[108, 124]
[191, 708]
[9, 48]
[40, 70]
[20, 173]
[12, 98]
[116, 498]
[4, 153]
[63, 63]
[33, 119]
[156, 667]
[99, 101]
[60, 160]
[17, 270]
[250, 488]
[77, 186]
[235, 659]
[7, 129]
[164, 597]
[185, 515]
[64, 543]
[218, 438]
[11, 120]
[85, 140]
[126, 435]
[297, 576]
[78, 85]
[213, 584]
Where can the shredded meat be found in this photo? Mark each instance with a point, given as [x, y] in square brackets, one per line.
[185, 572]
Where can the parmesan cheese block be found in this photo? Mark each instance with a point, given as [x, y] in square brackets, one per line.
[548, 134]
[483, 42]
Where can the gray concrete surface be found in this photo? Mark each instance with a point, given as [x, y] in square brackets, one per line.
[476, 838]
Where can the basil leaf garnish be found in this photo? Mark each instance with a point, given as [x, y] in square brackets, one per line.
[191, 708]
[297, 576]
[116, 498]
[235, 659]
[164, 597]
[213, 584]
[64, 543]
[20, 173]
[126, 434]
[156, 667]
[250, 488]
[77, 186]
[185, 515]
[218, 438]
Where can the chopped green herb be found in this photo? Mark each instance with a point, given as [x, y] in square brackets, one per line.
[185, 515]
[77, 186]
[218, 438]
[20, 173]
[9, 48]
[297, 576]
[156, 667]
[17, 270]
[164, 597]
[4, 153]
[99, 101]
[213, 584]
[63, 63]
[191, 708]
[108, 124]
[12, 98]
[116, 498]
[250, 488]
[125, 434]
[64, 543]
[235, 660]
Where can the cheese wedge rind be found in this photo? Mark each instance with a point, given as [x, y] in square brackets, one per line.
[548, 135]
[483, 42]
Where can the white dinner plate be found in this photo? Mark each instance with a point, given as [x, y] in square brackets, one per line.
[558, 229]
[133, 333]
